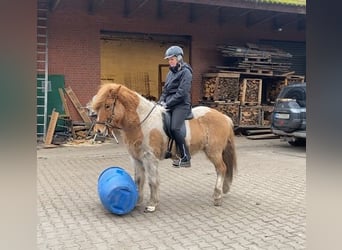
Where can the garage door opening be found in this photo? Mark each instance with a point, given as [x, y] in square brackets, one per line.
[136, 60]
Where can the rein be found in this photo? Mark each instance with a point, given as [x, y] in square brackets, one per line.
[108, 123]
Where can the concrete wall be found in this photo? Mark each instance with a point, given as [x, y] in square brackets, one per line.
[75, 44]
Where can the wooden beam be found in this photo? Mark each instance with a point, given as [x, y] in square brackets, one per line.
[220, 17]
[53, 4]
[262, 20]
[191, 13]
[126, 9]
[231, 16]
[159, 9]
[65, 106]
[77, 104]
[130, 13]
[297, 20]
[93, 5]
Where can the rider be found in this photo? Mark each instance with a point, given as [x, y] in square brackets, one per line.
[176, 99]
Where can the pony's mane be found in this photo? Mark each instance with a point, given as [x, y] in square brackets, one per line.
[128, 97]
[102, 94]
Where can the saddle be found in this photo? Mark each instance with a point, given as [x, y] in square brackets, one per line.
[167, 128]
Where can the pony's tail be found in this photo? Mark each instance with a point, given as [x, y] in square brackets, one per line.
[229, 158]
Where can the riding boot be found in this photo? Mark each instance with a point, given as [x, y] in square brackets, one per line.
[184, 159]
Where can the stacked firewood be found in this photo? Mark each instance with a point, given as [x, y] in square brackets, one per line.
[266, 115]
[240, 98]
[229, 109]
[209, 87]
[221, 87]
[227, 89]
[250, 91]
[250, 116]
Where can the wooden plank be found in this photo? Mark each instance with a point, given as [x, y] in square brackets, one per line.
[77, 104]
[51, 128]
[258, 131]
[214, 75]
[65, 106]
[263, 137]
[66, 110]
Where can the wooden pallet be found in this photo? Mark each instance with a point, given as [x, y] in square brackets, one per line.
[244, 71]
[264, 72]
[77, 104]
[257, 59]
[292, 79]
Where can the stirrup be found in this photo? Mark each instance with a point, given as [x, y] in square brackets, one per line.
[167, 155]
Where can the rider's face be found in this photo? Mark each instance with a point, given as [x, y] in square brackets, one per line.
[173, 61]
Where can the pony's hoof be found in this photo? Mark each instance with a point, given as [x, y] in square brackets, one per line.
[218, 202]
[150, 209]
[225, 189]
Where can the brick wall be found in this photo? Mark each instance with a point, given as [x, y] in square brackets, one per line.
[74, 50]
[74, 38]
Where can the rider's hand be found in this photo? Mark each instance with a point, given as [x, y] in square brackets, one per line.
[163, 104]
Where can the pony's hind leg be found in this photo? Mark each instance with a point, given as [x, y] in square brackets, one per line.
[151, 165]
[139, 178]
[221, 169]
[229, 157]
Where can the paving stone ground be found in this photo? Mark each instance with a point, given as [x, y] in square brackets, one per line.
[265, 208]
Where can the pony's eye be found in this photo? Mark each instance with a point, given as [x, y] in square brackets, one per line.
[107, 106]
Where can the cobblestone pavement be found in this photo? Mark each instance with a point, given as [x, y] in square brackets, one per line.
[265, 208]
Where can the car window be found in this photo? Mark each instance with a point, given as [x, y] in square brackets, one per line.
[297, 93]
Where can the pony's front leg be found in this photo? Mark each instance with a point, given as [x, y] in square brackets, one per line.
[139, 178]
[150, 163]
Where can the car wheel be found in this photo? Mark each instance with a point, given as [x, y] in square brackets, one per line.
[299, 142]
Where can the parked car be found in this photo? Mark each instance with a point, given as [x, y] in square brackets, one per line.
[289, 114]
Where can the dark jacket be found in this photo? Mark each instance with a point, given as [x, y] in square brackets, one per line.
[177, 88]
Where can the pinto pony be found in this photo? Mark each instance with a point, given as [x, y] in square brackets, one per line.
[141, 125]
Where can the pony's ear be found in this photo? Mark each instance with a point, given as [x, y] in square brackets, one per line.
[113, 92]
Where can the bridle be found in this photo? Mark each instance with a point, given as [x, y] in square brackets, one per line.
[109, 121]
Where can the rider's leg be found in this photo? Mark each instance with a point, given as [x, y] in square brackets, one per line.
[177, 120]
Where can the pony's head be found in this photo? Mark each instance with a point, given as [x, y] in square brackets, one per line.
[113, 103]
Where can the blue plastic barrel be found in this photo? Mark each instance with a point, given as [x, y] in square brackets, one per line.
[117, 190]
